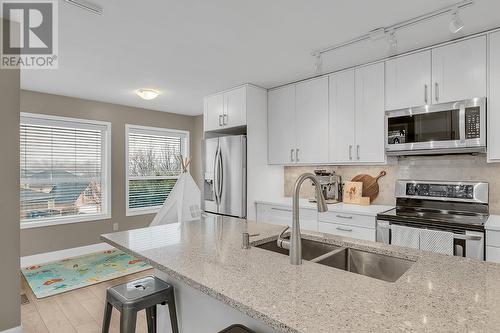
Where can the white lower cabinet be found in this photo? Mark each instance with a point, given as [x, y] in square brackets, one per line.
[348, 225]
[493, 245]
[337, 223]
[283, 216]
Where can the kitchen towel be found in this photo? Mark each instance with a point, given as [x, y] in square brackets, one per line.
[405, 236]
[436, 241]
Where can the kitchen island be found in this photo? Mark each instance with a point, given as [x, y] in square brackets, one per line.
[219, 283]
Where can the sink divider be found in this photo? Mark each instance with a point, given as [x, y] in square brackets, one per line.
[328, 254]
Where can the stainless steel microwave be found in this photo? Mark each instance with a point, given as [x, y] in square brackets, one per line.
[448, 128]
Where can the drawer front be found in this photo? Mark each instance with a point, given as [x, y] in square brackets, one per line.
[349, 219]
[492, 238]
[347, 231]
[283, 216]
[493, 254]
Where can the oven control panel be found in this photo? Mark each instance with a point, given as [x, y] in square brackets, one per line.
[440, 190]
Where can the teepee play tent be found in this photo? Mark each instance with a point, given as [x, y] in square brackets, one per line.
[184, 201]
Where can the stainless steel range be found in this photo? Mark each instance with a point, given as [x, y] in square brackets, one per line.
[438, 216]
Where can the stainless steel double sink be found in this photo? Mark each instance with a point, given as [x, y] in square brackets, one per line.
[370, 264]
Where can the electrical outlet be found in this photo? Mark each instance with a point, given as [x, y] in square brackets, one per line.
[115, 226]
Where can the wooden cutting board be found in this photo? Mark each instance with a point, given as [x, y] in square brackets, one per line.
[352, 192]
[370, 184]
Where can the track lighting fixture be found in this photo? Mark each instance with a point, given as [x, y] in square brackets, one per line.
[456, 23]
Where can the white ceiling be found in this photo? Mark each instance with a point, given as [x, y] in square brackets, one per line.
[188, 49]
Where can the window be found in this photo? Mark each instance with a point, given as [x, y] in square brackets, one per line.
[153, 166]
[64, 170]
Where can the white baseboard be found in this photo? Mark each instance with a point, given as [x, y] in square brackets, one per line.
[42, 258]
[17, 329]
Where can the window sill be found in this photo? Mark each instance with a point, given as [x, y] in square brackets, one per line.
[135, 212]
[64, 220]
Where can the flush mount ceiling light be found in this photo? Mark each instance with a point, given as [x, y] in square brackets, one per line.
[147, 94]
[456, 23]
[376, 34]
[90, 7]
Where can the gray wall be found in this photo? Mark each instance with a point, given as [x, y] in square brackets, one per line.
[46, 239]
[9, 198]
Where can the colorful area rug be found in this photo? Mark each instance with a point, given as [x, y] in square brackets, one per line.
[73, 273]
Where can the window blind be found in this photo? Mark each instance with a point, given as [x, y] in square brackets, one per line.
[153, 167]
[62, 168]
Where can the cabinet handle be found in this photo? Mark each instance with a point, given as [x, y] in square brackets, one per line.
[220, 120]
[297, 154]
[344, 217]
[291, 155]
[436, 91]
[357, 151]
[425, 94]
[344, 229]
[224, 119]
[281, 209]
[350, 152]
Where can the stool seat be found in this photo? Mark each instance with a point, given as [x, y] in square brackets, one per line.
[237, 328]
[142, 294]
[139, 293]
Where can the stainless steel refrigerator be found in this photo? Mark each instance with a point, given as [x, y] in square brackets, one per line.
[225, 174]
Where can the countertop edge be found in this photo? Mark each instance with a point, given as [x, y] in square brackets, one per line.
[273, 323]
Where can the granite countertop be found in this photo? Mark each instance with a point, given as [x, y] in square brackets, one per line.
[438, 293]
[371, 210]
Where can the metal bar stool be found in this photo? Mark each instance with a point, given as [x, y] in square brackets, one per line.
[134, 296]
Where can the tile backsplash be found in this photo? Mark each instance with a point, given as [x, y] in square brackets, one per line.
[450, 167]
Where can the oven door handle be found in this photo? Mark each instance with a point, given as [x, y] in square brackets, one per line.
[456, 236]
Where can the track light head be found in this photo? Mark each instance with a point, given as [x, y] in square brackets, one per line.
[456, 23]
[392, 41]
[318, 63]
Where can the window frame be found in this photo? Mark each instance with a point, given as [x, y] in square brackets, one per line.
[155, 131]
[50, 120]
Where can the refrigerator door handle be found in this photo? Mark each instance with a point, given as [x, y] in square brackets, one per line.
[216, 177]
[220, 177]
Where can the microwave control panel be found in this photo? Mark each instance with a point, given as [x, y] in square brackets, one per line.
[472, 123]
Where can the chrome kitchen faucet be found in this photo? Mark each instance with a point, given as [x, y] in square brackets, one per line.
[295, 240]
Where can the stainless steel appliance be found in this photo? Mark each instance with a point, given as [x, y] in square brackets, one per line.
[225, 174]
[457, 127]
[458, 209]
[331, 186]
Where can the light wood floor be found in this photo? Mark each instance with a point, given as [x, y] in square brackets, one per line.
[79, 310]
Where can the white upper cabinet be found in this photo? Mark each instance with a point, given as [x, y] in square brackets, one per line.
[494, 99]
[408, 81]
[311, 98]
[213, 112]
[235, 112]
[369, 115]
[459, 71]
[281, 125]
[225, 110]
[341, 117]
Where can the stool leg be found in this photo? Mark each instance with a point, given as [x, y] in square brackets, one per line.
[106, 319]
[173, 314]
[128, 320]
[151, 319]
